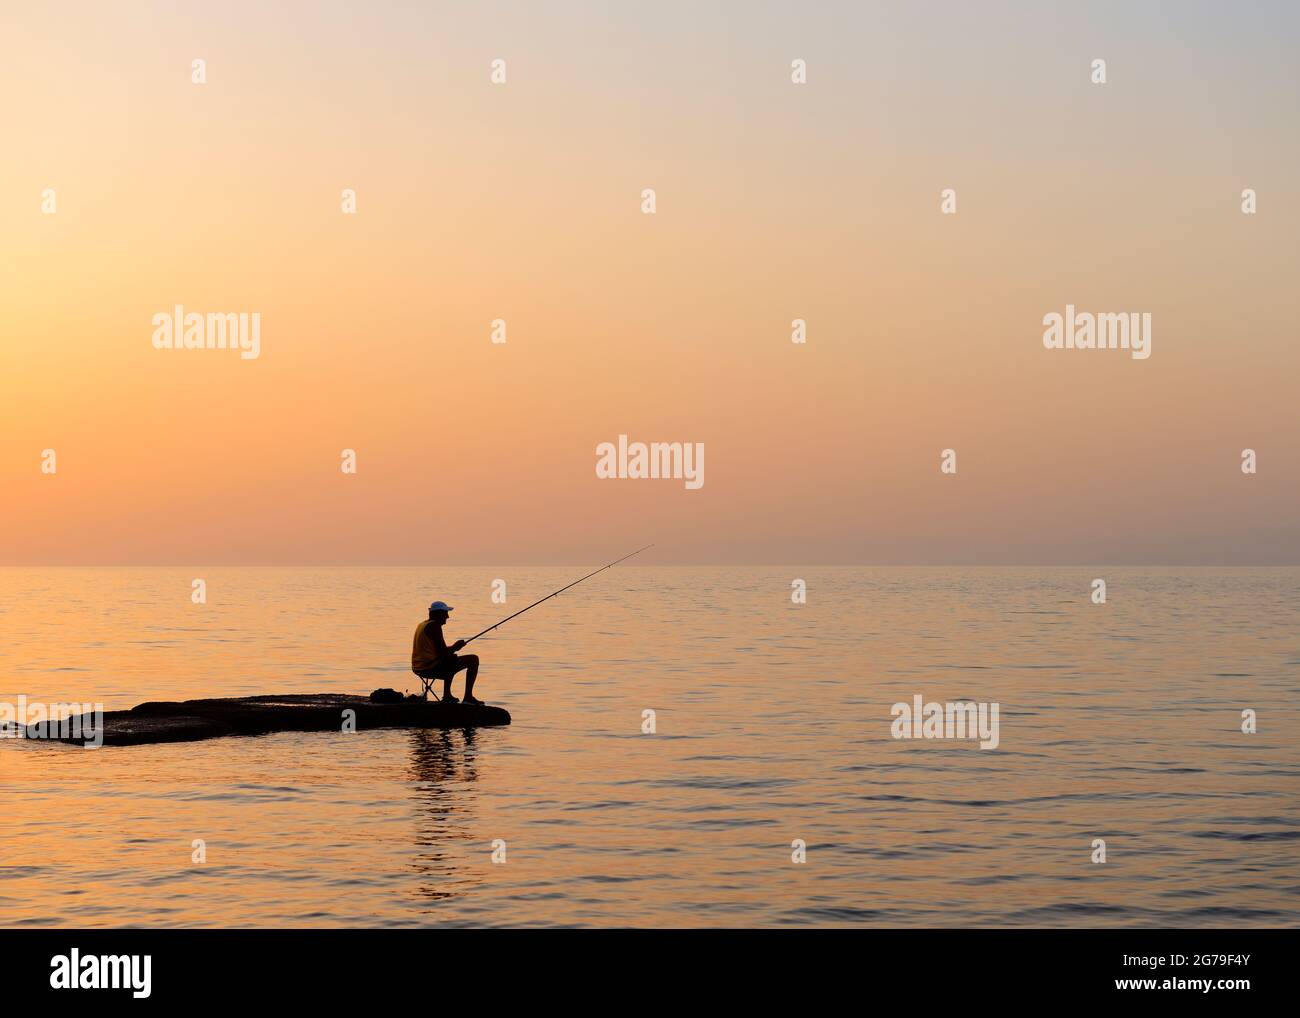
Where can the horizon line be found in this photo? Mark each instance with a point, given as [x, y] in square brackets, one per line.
[654, 565]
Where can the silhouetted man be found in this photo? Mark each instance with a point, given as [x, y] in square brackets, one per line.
[432, 659]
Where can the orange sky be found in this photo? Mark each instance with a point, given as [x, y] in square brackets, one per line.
[522, 201]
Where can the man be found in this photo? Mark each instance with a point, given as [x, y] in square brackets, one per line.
[432, 659]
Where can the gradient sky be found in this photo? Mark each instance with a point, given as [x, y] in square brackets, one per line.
[775, 202]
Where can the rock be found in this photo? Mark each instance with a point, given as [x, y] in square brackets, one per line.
[190, 720]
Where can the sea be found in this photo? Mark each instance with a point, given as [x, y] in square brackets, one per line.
[690, 747]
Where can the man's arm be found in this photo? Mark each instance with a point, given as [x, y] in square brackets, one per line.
[440, 643]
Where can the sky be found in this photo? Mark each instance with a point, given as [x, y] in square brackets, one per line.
[775, 201]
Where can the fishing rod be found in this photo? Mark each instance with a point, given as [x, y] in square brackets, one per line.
[560, 591]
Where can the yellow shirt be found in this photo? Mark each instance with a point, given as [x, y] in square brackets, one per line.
[424, 651]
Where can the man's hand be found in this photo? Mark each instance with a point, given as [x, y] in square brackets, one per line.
[457, 645]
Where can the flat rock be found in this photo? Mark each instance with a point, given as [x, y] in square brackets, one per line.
[190, 720]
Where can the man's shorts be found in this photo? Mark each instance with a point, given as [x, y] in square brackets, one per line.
[444, 668]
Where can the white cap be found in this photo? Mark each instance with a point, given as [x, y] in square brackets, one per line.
[439, 606]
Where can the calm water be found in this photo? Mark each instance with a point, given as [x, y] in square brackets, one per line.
[1119, 721]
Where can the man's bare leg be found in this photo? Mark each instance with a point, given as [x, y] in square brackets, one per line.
[471, 673]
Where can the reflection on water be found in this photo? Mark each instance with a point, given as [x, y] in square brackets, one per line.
[443, 769]
[1119, 721]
